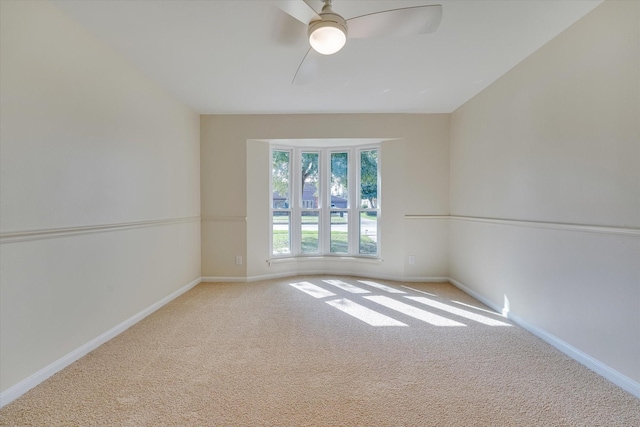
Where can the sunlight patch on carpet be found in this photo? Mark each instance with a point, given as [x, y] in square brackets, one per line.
[346, 286]
[459, 312]
[414, 312]
[313, 290]
[365, 314]
[376, 318]
[381, 286]
[419, 291]
[477, 308]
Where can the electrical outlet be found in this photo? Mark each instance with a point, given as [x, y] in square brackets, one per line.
[412, 259]
[238, 259]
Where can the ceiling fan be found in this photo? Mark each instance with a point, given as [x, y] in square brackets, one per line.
[328, 31]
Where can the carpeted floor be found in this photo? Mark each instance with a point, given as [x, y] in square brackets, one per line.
[304, 351]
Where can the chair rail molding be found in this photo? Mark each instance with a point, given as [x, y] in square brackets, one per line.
[584, 228]
[50, 233]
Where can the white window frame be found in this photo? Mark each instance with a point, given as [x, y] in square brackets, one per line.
[324, 209]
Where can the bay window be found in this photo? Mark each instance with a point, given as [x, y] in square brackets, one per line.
[325, 201]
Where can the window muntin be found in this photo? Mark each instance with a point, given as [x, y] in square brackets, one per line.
[325, 201]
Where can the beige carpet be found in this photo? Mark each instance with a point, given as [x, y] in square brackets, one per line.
[273, 354]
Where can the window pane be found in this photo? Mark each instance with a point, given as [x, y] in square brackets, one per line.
[309, 232]
[339, 232]
[309, 174]
[369, 179]
[339, 178]
[281, 229]
[368, 233]
[280, 180]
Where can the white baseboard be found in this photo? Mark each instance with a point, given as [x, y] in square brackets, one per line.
[420, 279]
[476, 295]
[218, 279]
[595, 365]
[28, 383]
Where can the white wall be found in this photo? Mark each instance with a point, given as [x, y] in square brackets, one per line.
[557, 140]
[235, 192]
[99, 190]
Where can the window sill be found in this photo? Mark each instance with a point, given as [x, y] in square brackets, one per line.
[296, 259]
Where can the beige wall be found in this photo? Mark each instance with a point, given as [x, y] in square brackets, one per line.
[557, 140]
[234, 186]
[86, 141]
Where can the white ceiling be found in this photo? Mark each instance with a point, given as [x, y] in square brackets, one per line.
[223, 57]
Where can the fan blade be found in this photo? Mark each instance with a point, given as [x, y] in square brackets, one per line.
[299, 10]
[287, 30]
[308, 68]
[407, 21]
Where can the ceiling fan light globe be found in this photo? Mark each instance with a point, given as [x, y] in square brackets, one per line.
[329, 34]
[327, 39]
